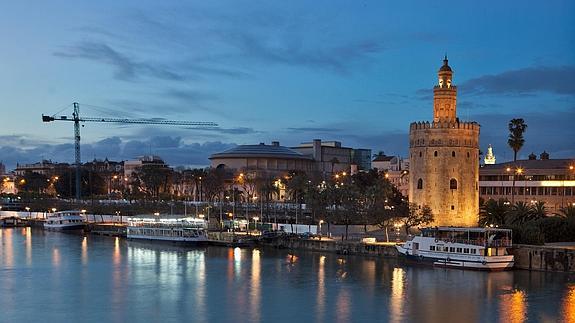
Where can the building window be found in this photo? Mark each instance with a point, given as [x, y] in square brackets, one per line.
[435, 153]
[453, 207]
[420, 154]
[453, 184]
[453, 154]
[467, 154]
[419, 184]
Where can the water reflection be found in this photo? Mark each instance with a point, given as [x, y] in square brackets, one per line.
[102, 279]
[321, 289]
[255, 286]
[27, 232]
[84, 255]
[513, 306]
[569, 305]
[397, 299]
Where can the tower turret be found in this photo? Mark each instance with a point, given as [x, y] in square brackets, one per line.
[444, 95]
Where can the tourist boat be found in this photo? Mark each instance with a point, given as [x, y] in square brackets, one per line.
[64, 220]
[184, 230]
[469, 248]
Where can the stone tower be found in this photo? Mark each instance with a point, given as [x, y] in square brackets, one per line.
[444, 159]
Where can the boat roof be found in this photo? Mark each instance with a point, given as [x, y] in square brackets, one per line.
[464, 229]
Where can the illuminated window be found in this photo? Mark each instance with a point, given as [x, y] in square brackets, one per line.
[453, 184]
[419, 184]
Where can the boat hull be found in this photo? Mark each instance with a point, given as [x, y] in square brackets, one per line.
[71, 227]
[495, 264]
[173, 240]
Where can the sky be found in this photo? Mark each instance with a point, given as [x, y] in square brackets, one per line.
[358, 72]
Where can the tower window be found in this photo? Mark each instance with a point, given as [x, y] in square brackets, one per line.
[453, 184]
[453, 207]
[453, 154]
[420, 154]
[467, 154]
[419, 184]
[435, 153]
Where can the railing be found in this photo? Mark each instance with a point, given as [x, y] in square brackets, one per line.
[480, 242]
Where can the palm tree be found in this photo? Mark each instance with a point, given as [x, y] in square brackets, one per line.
[493, 212]
[539, 210]
[519, 213]
[516, 129]
[567, 212]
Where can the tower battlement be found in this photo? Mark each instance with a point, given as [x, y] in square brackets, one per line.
[421, 125]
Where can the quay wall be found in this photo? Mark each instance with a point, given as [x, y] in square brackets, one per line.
[339, 247]
[542, 258]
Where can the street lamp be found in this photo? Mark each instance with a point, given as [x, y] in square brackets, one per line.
[28, 210]
[255, 222]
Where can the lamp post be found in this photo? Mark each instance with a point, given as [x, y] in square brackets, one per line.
[320, 223]
[255, 223]
[28, 210]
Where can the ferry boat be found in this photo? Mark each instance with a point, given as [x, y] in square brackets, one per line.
[64, 220]
[469, 248]
[184, 230]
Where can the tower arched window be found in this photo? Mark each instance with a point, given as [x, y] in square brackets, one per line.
[420, 154]
[453, 184]
[453, 153]
[435, 153]
[419, 184]
[467, 154]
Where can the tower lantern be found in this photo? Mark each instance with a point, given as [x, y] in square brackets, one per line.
[444, 95]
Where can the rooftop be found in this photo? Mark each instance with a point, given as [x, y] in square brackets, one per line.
[534, 164]
[261, 150]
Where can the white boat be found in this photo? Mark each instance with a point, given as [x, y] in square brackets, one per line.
[469, 248]
[184, 230]
[64, 220]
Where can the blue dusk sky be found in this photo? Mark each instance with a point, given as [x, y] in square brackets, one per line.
[353, 71]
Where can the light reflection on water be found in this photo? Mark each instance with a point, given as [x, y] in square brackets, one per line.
[96, 279]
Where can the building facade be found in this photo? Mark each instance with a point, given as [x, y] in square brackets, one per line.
[444, 159]
[534, 180]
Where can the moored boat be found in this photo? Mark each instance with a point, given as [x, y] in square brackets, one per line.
[469, 248]
[11, 222]
[64, 220]
[184, 230]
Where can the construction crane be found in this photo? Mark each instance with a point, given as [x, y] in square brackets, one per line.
[77, 119]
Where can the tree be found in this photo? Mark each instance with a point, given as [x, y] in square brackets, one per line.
[417, 216]
[152, 179]
[493, 212]
[567, 212]
[517, 128]
[32, 182]
[520, 213]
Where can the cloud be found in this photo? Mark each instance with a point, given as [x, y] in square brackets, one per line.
[126, 68]
[314, 129]
[173, 150]
[285, 50]
[525, 81]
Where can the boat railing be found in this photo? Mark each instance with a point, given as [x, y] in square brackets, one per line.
[480, 242]
[166, 225]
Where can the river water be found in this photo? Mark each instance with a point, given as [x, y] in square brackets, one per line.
[56, 277]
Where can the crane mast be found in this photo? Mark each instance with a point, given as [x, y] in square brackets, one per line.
[76, 119]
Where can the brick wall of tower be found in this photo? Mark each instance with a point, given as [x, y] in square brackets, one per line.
[440, 152]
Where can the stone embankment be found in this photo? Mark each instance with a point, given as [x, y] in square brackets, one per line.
[339, 247]
[544, 258]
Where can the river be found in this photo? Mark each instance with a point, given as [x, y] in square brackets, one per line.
[57, 277]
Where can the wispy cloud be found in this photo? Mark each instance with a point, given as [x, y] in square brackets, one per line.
[125, 67]
[525, 81]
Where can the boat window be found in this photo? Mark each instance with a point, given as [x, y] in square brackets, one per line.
[451, 249]
[459, 250]
[473, 251]
[465, 250]
[432, 248]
